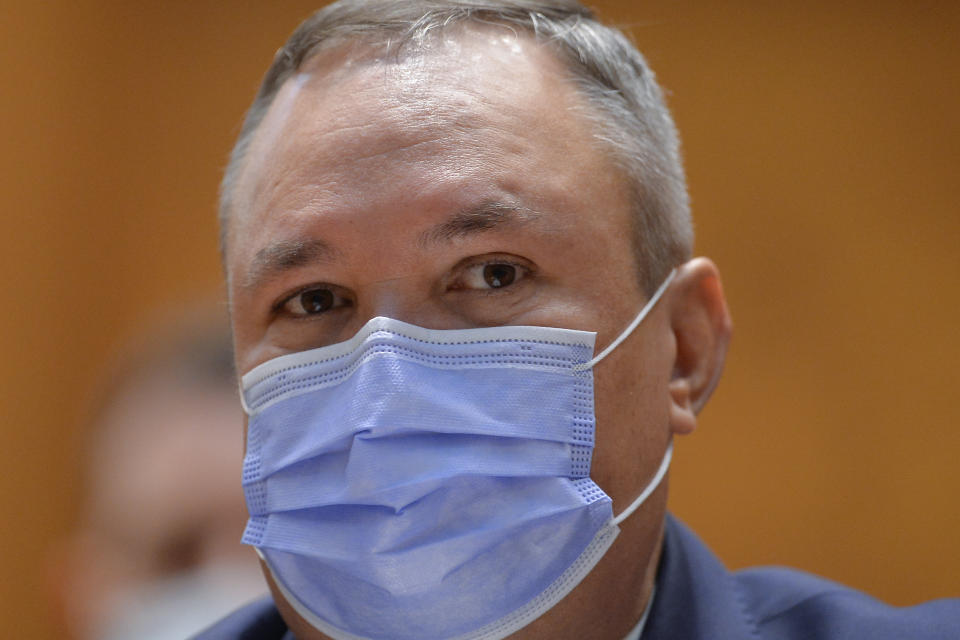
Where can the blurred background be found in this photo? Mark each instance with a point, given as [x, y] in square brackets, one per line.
[822, 143]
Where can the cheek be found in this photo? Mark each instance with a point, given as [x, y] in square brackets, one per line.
[632, 409]
[245, 336]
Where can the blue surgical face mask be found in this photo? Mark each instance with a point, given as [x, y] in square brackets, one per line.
[415, 484]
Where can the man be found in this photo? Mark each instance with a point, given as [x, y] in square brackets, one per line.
[155, 553]
[419, 189]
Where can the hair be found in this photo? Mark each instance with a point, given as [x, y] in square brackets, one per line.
[190, 348]
[628, 112]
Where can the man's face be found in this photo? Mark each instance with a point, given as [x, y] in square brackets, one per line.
[458, 188]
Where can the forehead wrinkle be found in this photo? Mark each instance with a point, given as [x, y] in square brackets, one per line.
[414, 111]
[488, 216]
[271, 261]
[388, 135]
[426, 92]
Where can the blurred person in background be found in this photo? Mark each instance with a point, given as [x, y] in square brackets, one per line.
[156, 552]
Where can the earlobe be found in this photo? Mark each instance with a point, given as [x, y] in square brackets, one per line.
[683, 418]
[701, 326]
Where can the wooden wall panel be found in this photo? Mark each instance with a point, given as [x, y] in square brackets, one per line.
[822, 148]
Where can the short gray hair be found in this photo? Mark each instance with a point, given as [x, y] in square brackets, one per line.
[629, 112]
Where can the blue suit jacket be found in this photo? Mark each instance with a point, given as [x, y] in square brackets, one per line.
[698, 599]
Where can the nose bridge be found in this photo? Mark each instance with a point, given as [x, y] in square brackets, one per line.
[391, 298]
[408, 299]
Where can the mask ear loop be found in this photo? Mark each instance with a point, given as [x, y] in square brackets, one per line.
[657, 479]
[651, 303]
[243, 400]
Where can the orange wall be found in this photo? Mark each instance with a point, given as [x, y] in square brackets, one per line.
[823, 149]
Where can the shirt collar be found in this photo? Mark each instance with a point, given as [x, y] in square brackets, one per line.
[637, 631]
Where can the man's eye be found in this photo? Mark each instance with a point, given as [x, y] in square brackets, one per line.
[492, 275]
[313, 302]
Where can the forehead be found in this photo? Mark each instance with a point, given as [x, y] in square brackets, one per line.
[463, 82]
[455, 108]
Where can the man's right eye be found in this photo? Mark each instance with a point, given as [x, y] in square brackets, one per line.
[313, 301]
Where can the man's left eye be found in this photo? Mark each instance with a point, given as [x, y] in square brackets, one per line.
[492, 275]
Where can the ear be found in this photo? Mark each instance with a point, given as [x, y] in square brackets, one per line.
[701, 327]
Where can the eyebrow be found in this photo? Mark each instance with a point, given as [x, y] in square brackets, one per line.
[283, 256]
[270, 262]
[487, 216]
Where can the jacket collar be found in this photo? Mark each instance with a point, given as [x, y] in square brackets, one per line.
[696, 597]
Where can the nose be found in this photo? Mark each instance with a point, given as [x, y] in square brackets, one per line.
[406, 299]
